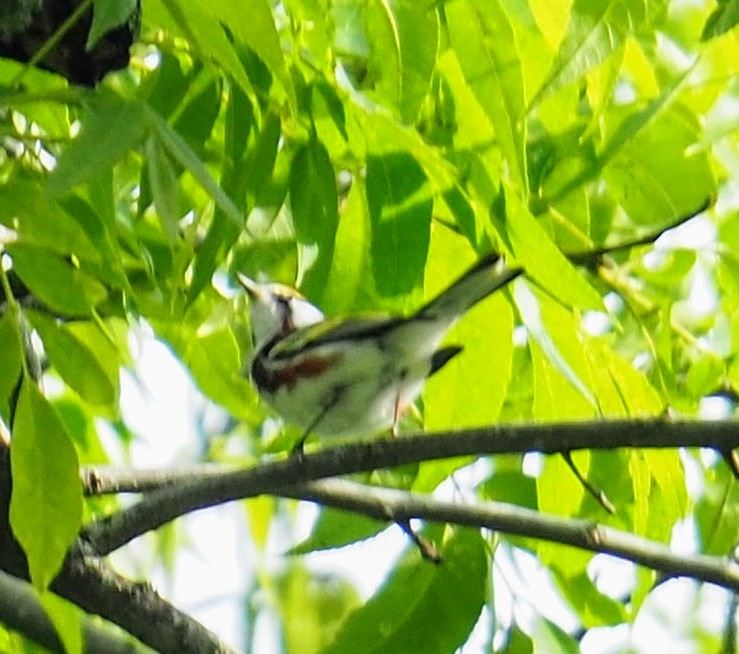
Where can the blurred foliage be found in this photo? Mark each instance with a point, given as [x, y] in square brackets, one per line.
[366, 152]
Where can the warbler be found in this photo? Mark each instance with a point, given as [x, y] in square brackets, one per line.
[354, 376]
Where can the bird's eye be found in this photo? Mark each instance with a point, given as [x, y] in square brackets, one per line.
[285, 312]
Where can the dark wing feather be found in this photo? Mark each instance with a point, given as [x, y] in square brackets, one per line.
[334, 330]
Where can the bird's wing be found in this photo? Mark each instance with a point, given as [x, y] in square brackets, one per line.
[333, 330]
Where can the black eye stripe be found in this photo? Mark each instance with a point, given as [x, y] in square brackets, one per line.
[286, 313]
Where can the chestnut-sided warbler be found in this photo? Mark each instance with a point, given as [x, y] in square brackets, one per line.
[349, 376]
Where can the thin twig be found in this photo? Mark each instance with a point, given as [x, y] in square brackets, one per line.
[597, 493]
[375, 502]
[427, 548]
[730, 630]
[592, 258]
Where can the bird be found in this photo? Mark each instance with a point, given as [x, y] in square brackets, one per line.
[354, 376]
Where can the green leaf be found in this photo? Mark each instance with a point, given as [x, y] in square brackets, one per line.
[641, 479]
[422, 607]
[724, 17]
[485, 43]
[46, 503]
[254, 26]
[66, 618]
[243, 176]
[403, 36]
[542, 260]
[518, 642]
[314, 27]
[717, 513]
[464, 393]
[349, 273]
[548, 638]
[191, 21]
[672, 498]
[595, 30]
[337, 528]
[181, 152]
[55, 281]
[384, 136]
[164, 187]
[560, 374]
[106, 16]
[41, 221]
[314, 203]
[11, 363]
[628, 390]
[655, 175]
[400, 206]
[213, 358]
[111, 129]
[311, 607]
[76, 364]
[592, 607]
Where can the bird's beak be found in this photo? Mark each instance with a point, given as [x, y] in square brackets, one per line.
[254, 290]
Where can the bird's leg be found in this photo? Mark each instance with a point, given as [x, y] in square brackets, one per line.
[427, 548]
[396, 416]
[336, 394]
[597, 493]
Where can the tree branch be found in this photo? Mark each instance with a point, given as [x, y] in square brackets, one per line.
[388, 504]
[21, 611]
[211, 488]
[137, 608]
[592, 258]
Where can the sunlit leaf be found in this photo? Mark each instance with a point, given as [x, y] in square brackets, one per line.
[348, 274]
[106, 16]
[336, 528]
[554, 350]
[46, 503]
[10, 364]
[595, 30]
[75, 362]
[66, 618]
[165, 189]
[486, 47]
[717, 513]
[312, 607]
[181, 152]
[314, 203]
[213, 357]
[255, 27]
[400, 213]
[39, 220]
[470, 389]
[422, 607]
[595, 609]
[655, 174]
[724, 17]
[552, 639]
[98, 146]
[403, 37]
[204, 30]
[55, 281]
[542, 260]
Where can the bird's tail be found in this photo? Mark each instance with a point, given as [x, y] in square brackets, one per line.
[488, 275]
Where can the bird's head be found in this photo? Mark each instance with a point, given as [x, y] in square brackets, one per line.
[276, 310]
